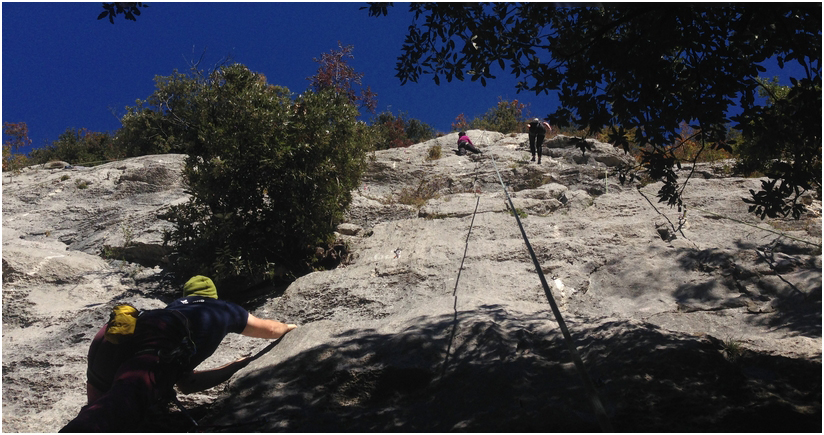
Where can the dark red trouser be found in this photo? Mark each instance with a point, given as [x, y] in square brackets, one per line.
[131, 377]
[137, 385]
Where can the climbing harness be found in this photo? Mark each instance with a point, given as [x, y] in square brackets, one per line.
[595, 400]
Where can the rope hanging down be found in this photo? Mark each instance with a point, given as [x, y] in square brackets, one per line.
[457, 280]
[595, 401]
[200, 427]
[455, 292]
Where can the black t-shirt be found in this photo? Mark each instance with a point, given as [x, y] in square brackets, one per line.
[210, 320]
[537, 128]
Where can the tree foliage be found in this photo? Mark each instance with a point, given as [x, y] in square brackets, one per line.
[129, 10]
[17, 138]
[79, 147]
[394, 131]
[755, 158]
[646, 68]
[783, 141]
[152, 126]
[269, 175]
[335, 73]
[505, 117]
[687, 148]
[460, 123]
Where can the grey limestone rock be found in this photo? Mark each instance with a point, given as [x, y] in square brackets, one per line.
[439, 321]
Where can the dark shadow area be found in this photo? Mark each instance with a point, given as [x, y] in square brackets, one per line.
[146, 255]
[731, 282]
[798, 308]
[163, 286]
[511, 372]
[167, 287]
[801, 316]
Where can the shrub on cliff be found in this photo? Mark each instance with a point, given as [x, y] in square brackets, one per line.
[506, 117]
[399, 131]
[79, 147]
[269, 175]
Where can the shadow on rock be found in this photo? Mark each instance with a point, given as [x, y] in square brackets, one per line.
[511, 372]
[779, 284]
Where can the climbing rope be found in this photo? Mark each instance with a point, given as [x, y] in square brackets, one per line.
[595, 400]
[184, 410]
[200, 427]
[457, 280]
[455, 291]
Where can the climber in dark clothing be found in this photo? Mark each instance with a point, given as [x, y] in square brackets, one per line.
[537, 132]
[465, 144]
[126, 378]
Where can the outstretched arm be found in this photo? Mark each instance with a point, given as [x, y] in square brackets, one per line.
[203, 380]
[265, 328]
[255, 327]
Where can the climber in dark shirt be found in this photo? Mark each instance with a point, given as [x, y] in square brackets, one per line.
[125, 379]
[537, 131]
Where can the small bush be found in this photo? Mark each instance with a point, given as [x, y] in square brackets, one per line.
[733, 350]
[506, 117]
[399, 131]
[17, 134]
[434, 153]
[538, 180]
[426, 190]
[80, 147]
[686, 149]
[521, 213]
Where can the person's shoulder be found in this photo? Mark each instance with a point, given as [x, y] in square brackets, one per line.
[193, 301]
[218, 302]
[227, 305]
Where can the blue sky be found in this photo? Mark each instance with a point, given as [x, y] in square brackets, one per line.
[62, 68]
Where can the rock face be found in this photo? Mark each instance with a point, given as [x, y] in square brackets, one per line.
[438, 320]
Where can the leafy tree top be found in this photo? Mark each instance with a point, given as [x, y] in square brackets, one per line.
[334, 72]
[646, 68]
[129, 10]
[16, 137]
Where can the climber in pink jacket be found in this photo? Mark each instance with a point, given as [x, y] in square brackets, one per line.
[464, 144]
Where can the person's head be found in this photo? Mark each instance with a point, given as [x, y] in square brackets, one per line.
[463, 133]
[534, 121]
[200, 286]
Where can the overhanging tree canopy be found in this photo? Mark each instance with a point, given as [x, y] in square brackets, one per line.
[644, 69]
